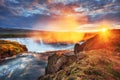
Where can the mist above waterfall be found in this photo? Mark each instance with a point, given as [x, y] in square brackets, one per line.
[38, 45]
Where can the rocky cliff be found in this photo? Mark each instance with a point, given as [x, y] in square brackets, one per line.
[109, 40]
[9, 48]
[99, 59]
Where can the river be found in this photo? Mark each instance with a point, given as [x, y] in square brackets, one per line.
[39, 46]
[28, 66]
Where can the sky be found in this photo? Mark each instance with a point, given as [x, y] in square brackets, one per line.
[58, 14]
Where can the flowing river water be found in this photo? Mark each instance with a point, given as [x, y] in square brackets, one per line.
[28, 66]
[38, 46]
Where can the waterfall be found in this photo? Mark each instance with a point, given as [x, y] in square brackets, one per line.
[41, 41]
[37, 46]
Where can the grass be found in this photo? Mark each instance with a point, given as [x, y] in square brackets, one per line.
[97, 65]
[8, 48]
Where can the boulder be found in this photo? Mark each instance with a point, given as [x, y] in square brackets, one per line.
[58, 62]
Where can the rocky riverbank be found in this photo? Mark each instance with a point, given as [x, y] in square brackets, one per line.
[89, 65]
[96, 59]
[10, 48]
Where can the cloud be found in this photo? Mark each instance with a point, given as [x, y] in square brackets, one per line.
[62, 1]
[60, 7]
[25, 8]
[1, 2]
[45, 11]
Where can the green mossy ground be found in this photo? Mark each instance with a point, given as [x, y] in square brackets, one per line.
[101, 61]
[97, 65]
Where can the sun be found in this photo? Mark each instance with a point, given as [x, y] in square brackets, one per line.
[104, 34]
[104, 29]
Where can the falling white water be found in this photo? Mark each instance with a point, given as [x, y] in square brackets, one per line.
[22, 66]
[38, 46]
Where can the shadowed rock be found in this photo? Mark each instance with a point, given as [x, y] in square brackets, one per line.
[58, 62]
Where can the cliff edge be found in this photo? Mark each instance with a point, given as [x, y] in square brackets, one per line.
[10, 48]
[99, 59]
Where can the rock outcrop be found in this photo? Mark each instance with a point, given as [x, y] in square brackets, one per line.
[88, 65]
[109, 41]
[9, 48]
[96, 59]
[56, 62]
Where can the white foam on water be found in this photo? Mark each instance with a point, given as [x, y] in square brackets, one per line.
[37, 46]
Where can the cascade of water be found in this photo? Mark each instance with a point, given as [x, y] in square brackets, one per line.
[37, 46]
[41, 41]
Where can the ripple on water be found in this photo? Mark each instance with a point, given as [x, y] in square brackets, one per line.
[22, 67]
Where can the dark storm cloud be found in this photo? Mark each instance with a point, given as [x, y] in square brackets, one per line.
[27, 12]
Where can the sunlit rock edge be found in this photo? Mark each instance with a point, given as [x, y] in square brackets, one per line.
[10, 48]
[98, 61]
